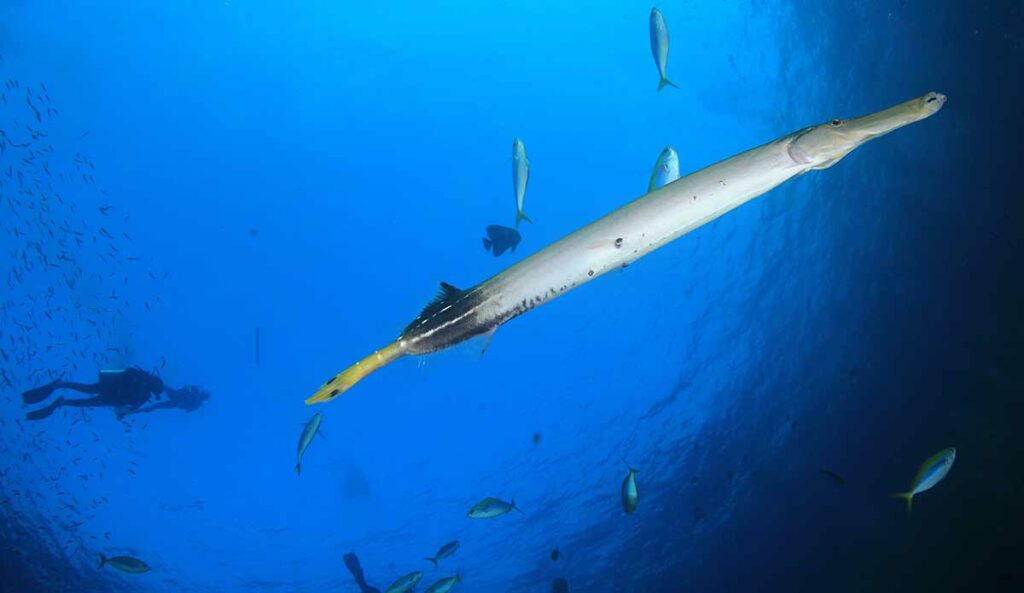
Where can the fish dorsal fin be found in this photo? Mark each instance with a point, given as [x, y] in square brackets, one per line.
[445, 296]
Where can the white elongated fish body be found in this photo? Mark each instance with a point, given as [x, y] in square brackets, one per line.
[308, 432]
[520, 177]
[627, 234]
[666, 169]
[654, 220]
[659, 45]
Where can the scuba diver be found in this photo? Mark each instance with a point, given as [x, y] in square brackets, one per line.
[188, 398]
[356, 570]
[124, 390]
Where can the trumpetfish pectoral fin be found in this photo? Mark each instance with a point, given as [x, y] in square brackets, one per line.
[344, 380]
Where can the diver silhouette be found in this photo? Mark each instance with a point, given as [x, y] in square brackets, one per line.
[123, 390]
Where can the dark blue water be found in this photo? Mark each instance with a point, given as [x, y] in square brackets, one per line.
[309, 172]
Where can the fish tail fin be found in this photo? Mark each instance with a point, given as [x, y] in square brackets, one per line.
[103, 561]
[298, 469]
[487, 243]
[907, 496]
[344, 380]
[432, 561]
[520, 215]
[515, 506]
[666, 82]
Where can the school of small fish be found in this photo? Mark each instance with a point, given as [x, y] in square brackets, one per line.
[72, 256]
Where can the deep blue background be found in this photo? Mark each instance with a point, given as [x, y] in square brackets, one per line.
[314, 169]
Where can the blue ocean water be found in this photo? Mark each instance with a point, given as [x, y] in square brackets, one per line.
[250, 196]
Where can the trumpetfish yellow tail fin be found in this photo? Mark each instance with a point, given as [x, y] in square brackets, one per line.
[344, 380]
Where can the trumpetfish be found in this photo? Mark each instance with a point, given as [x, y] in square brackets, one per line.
[627, 234]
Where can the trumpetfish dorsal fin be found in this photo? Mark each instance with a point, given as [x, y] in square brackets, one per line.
[446, 295]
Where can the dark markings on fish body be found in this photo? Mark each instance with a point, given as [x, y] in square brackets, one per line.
[694, 198]
[331, 380]
[335, 392]
[590, 273]
[618, 242]
[451, 317]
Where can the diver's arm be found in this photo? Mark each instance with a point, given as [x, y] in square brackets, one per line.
[152, 407]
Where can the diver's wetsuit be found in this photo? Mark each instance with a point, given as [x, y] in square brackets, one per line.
[352, 564]
[124, 390]
[188, 398]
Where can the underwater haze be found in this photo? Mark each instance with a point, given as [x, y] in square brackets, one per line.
[247, 197]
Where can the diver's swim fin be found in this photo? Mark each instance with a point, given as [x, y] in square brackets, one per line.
[45, 411]
[34, 396]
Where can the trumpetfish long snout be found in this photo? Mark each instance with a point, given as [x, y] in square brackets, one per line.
[627, 234]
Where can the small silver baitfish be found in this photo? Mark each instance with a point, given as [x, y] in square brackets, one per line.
[520, 176]
[666, 169]
[630, 494]
[311, 429]
[446, 551]
[659, 47]
[124, 564]
[932, 471]
[490, 508]
[406, 583]
[444, 585]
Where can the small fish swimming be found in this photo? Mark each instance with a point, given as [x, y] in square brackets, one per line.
[311, 429]
[666, 169]
[630, 494]
[556, 554]
[444, 585]
[447, 551]
[659, 47]
[932, 471]
[520, 175]
[124, 564]
[839, 480]
[490, 508]
[406, 583]
[500, 239]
